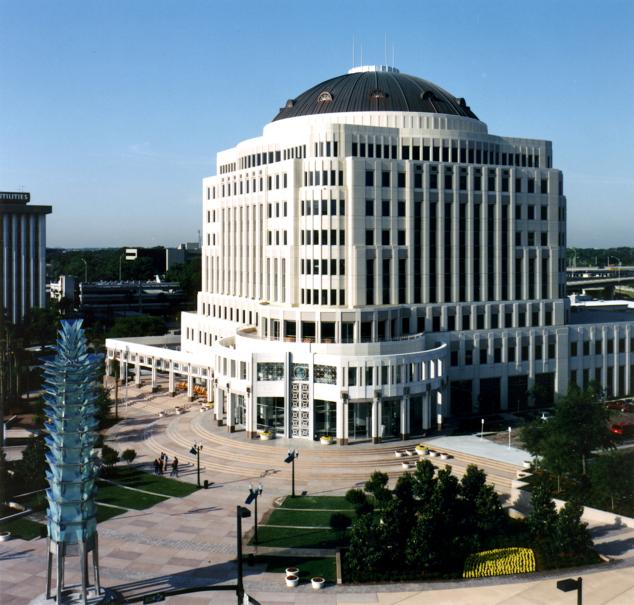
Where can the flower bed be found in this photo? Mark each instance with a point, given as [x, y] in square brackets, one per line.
[498, 562]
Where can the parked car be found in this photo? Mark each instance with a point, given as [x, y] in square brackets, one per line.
[623, 429]
[620, 406]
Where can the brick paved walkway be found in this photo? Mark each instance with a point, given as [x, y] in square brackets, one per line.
[190, 541]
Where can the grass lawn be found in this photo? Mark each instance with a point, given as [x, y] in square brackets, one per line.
[120, 496]
[300, 538]
[134, 477]
[24, 528]
[107, 512]
[325, 567]
[317, 518]
[331, 503]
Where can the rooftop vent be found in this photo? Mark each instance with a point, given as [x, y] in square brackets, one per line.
[324, 97]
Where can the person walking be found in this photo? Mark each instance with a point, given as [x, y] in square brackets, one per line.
[174, 472]
[157, 466]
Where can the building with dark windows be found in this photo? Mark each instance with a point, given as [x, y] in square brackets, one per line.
[22, 254]
[376, 261]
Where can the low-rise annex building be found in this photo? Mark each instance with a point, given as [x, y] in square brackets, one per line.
[376, 261]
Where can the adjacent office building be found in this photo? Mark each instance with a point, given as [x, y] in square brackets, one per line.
[23, 250]
[377, 260]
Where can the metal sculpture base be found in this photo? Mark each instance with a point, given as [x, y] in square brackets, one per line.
[72, 596]
[86, 592]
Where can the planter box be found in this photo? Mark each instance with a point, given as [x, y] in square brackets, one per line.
[292, 581]
[326, 440]
[5, 535]
[317, 583]
[266, 436]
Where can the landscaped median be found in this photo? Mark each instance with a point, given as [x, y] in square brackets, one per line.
[304, 522]
[317, 523]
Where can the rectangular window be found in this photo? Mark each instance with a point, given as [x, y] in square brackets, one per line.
[369, 207]
[385, 208]
[369, 178]
[385, 179]
[401, 180]
[369, 237]
[385, 237]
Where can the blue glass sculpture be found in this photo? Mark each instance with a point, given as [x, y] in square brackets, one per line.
[70, 395]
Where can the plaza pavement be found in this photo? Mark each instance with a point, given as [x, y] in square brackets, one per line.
[191, 541]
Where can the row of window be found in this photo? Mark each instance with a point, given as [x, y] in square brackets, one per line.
[448, 180]
[322, 297]
[322, 237]
[515, 354]
[270, 157]
[274, 371]
[326, 149]
[321, 267]
[467, 152]
[246, 185]
[584, 349]
[277, 239]
[323, 178]
[322, 207]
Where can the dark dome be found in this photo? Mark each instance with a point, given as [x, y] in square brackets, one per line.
[375, 89]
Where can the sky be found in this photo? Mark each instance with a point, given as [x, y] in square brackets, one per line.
[113, 111]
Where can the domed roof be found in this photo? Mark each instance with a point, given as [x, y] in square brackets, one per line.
[374, 88]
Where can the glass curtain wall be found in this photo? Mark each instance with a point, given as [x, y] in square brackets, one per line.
[416, 415]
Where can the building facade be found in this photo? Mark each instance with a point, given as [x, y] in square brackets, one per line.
[377, 260]
[23, 250]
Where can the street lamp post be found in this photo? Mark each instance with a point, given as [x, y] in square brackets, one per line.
[253, 497]
[127, 354]
[570, 584]
[509, 437]
[195, 451]
[290, 459]
[482, 428]
[241, 513]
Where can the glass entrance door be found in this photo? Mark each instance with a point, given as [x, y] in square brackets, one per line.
[359, 421]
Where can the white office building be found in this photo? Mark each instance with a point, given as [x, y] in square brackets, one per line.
[377, 260]
[22, 254]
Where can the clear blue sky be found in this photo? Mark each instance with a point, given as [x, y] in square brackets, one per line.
[113, 111]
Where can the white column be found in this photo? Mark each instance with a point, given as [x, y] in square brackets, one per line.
[14, 268]
[23, 257]
[42, 262]
[32, 262]
[5, 261]
[230, 411]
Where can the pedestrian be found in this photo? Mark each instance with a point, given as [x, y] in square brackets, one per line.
[174, 472]
[157, 465]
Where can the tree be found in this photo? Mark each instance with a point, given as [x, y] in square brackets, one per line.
[138, 325]
[128, 455]
[543, 516]
[572, 538]
[612, 479]
[339, 522]
[376, 486]
[579, 426]
[31, 469]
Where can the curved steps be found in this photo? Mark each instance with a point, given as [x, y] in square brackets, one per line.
[251, 460]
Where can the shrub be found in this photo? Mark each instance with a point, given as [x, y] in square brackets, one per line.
[128, 455]
[340, 522]
[498, 562]
[109, 456]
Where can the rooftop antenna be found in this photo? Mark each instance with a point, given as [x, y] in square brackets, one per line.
[385, 49]
[353, 63]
